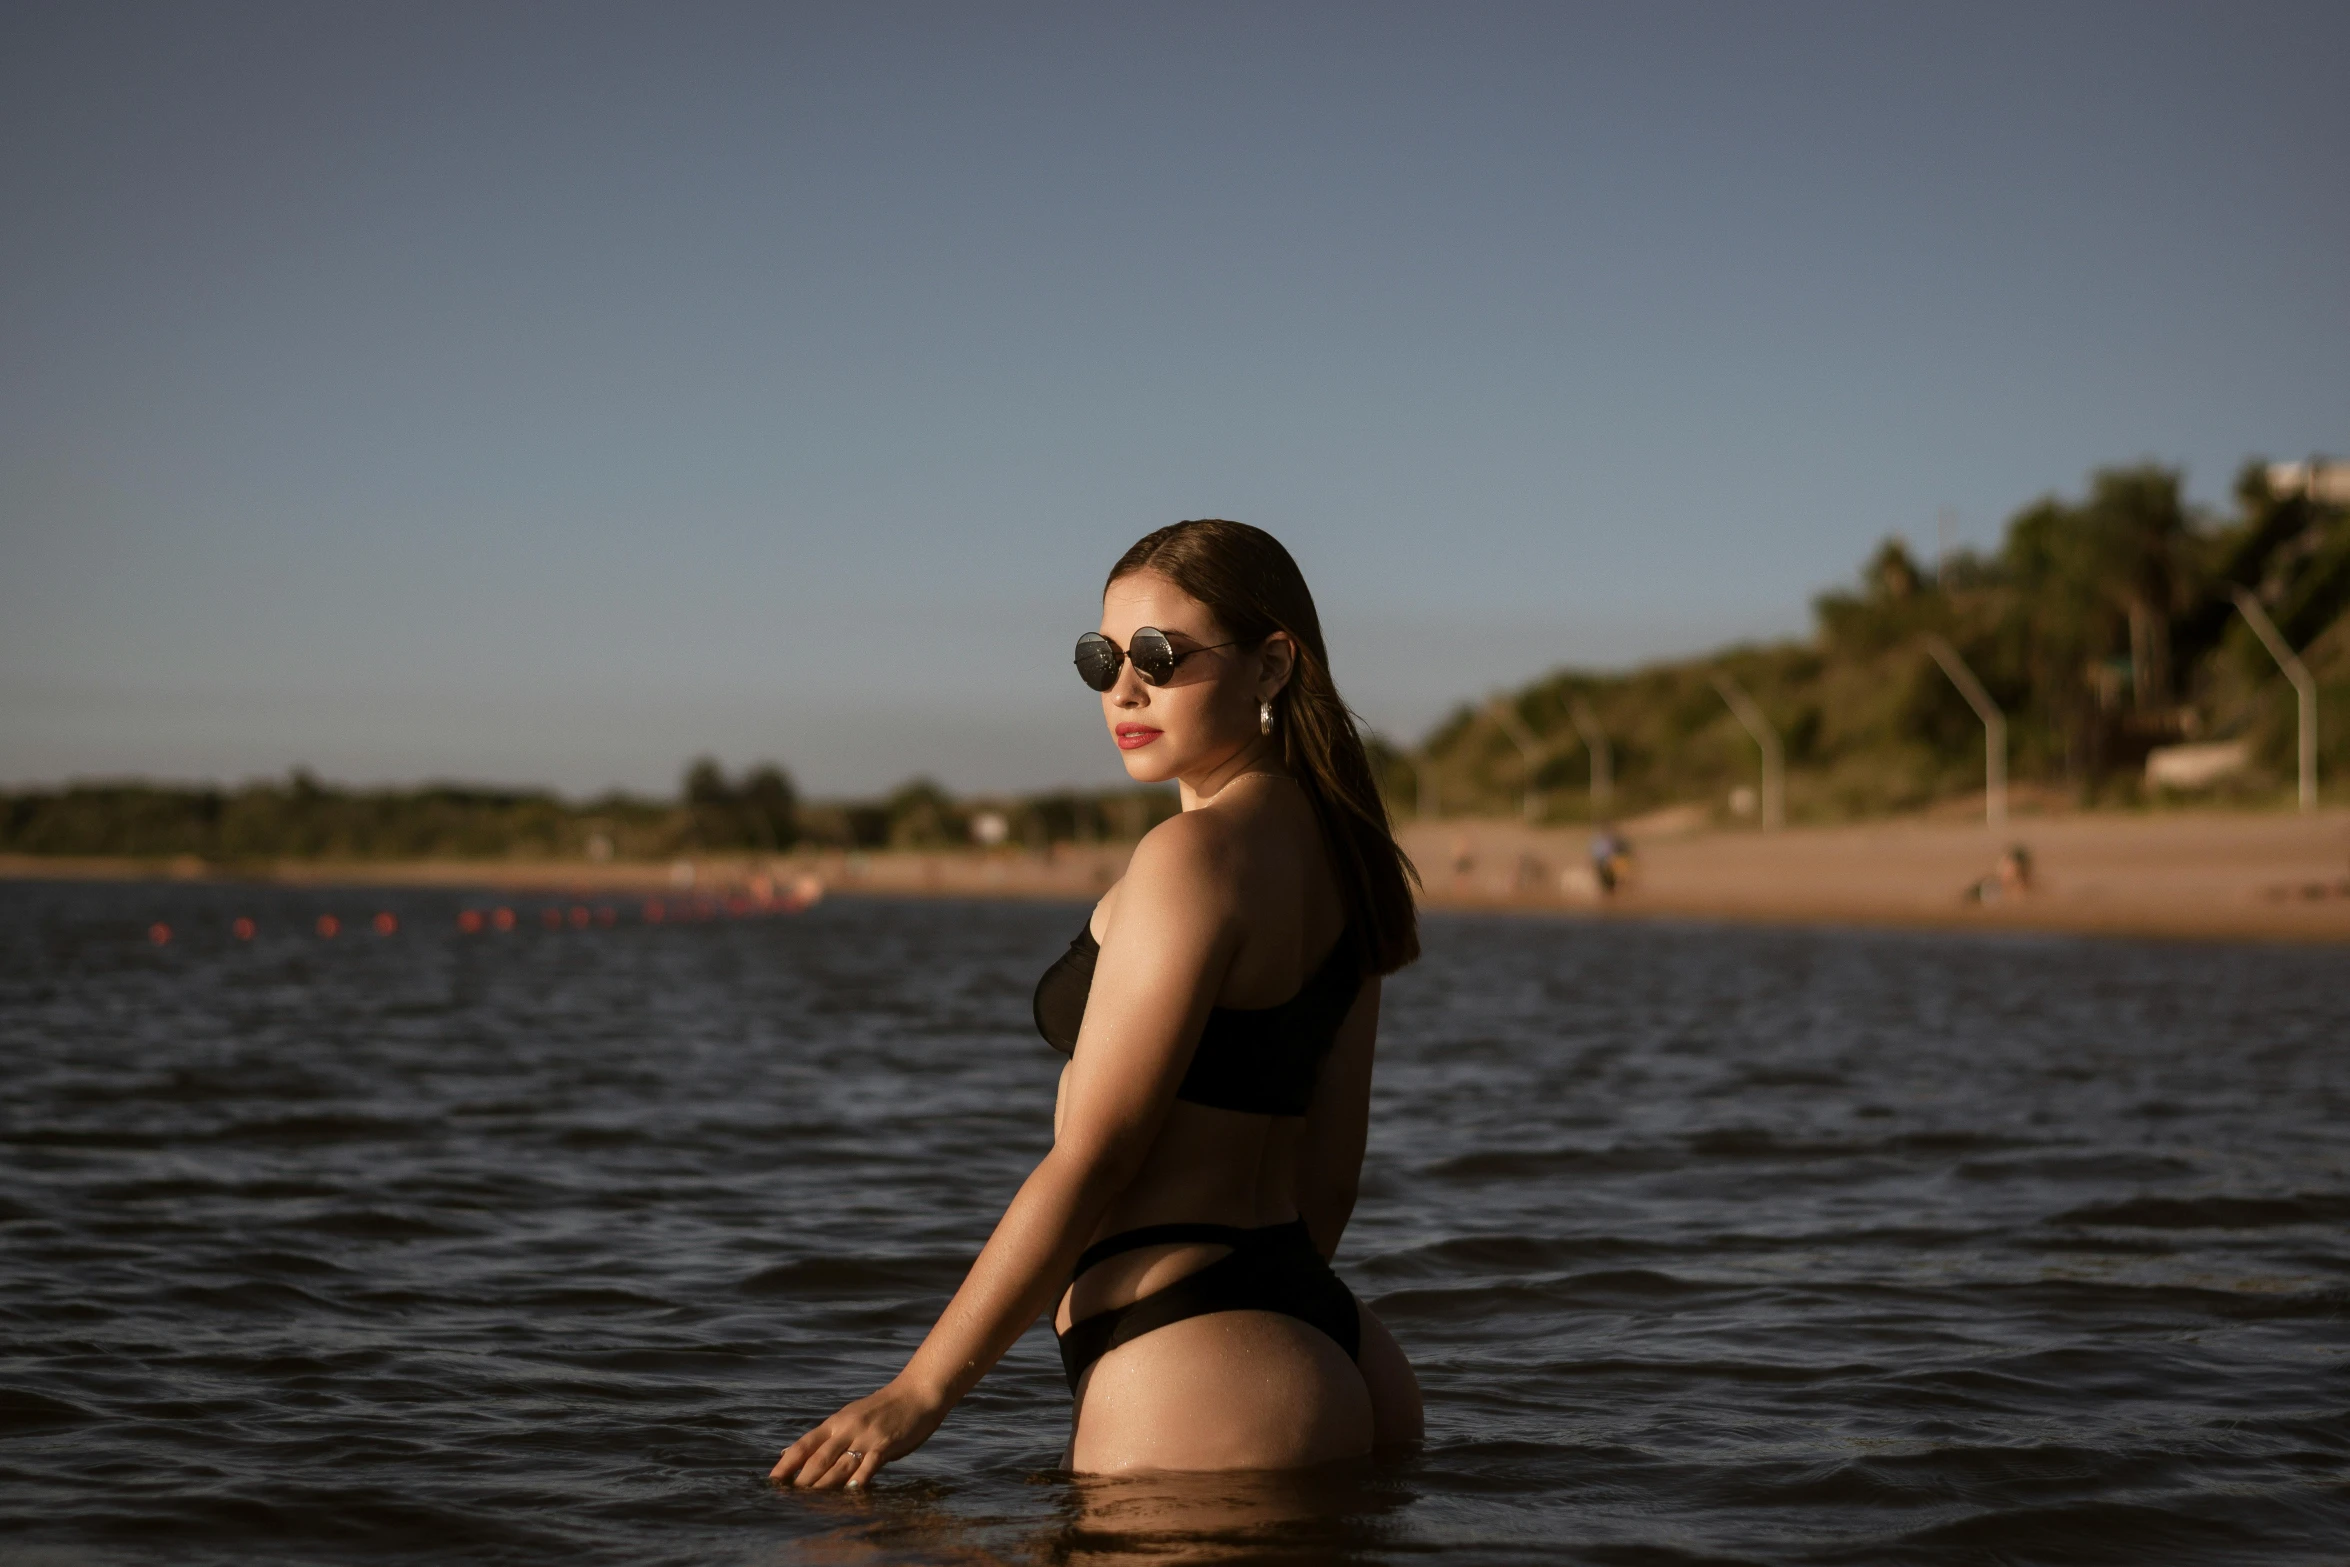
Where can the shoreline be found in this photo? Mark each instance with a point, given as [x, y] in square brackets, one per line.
[2189, 875]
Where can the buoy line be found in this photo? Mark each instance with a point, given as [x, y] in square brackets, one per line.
[767, 903]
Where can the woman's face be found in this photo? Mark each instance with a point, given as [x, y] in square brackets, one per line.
[1205, 716]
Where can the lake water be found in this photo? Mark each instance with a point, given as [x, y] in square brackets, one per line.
[1710, 1244]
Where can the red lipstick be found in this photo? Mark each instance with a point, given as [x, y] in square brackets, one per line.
[1133, 737]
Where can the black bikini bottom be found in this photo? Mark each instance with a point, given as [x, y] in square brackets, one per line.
[1274, 1268]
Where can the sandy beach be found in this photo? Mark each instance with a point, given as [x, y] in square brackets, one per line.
[2241, 875]
[2263, 876]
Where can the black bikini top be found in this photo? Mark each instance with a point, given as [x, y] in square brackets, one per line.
[1259, 1059]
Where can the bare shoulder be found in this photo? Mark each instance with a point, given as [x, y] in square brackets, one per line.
[1191, 858]
[1172, 919]
[1183, 865]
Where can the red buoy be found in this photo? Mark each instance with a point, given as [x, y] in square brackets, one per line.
[503, 919]
[551, 918]
[653, 912]
[243, 929]
[470, 922]
[579, 916]
[159, 933]
[386, 923]
[329, 926]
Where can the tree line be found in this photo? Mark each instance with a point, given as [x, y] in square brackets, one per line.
[2103, 625]
[757, 811]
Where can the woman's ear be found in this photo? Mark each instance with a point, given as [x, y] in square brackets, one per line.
[1276, 662]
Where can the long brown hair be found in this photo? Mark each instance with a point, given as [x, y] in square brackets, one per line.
[1252, 587]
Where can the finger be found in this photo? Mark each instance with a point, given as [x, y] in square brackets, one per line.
[797, 1455]
[821, 1463]
[867, 1468]
[844, 1468]
[856, 1461]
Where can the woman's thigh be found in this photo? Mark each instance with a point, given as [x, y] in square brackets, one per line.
[1229, 1390]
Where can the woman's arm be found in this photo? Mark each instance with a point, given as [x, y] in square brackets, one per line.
[1169, 940]
[1338, 1120]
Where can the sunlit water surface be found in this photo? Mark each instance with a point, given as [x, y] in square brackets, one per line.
[1711, 1245]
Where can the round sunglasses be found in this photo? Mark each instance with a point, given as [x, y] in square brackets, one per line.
[1155, 658]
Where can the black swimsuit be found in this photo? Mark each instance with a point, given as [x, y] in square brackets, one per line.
[1262, 1060]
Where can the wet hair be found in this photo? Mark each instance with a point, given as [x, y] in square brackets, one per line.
[1249, 583]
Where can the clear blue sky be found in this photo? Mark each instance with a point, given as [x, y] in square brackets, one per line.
[548, 393]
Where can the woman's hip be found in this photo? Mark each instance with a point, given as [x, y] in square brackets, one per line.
[1273, 1269]
[1235, 1389]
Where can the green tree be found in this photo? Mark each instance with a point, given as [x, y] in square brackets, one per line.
[762, 812]
[769, 806]
[2143, 552]
[924, 816]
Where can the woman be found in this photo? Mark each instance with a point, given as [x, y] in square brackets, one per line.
[1218, 1010]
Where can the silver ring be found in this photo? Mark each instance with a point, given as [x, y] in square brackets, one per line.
[852, 1453]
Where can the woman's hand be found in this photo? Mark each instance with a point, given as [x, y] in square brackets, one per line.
[850, 1448]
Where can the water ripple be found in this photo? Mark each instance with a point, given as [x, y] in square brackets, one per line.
[1711, 1245]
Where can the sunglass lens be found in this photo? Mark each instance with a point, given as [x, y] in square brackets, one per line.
[1097, 660]
[1153, 655]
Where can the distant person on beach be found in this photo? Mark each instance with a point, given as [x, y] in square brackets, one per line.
[1611, 856]
[2010, 878]
[1219, 1011]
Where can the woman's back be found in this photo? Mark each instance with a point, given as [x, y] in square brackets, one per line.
[1226, 1151]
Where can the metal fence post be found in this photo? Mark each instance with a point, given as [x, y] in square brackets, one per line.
[2303, 686]
[1603, 757]
[1530, 750]
[1994, 728]
[1774, 762]
[1428, 803]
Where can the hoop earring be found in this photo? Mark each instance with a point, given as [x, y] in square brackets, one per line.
[1264, 718]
